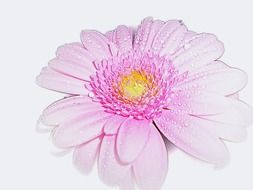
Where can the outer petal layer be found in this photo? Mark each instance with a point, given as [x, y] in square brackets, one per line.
[70, 69]
[215, 77]
[80, 129]
[132, 138]
[66, 108]
[239, 114]
[169, 37]
[198, 102]
[85, 155]
[61, 82]
[128, 182]
[200, 50]
[97, 44]
[150, 168]
[188, 133]
[142, 34]
[76, 54]
[122, 36]
[110, 170]
[113, 124]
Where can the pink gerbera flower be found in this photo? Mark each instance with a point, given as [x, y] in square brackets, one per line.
[130, 88]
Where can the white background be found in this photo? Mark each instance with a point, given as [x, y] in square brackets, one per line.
[30, 32]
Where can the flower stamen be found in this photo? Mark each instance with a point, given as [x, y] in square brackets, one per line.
[134, 85]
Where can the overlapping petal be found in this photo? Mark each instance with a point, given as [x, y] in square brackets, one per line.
[239, 114]
[215, 77]
[113, 124]
[84, 155]
[80, 128]
[142, 34]
[122, 36]
[169, 37]
[200, 50]
[160, 37]
[132, 138]
[128, 182]
[151, 166]
[198, 102]
[110, 170]
[61, 110]
[188, 133]
[97, 44]
[72, 70]
[76, 54]
[155, 27]
[57, 81]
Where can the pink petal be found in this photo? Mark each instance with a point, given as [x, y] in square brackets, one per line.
[85, 155]
[169, 37]
[142, 34]
[239, 114]
[202, 49]
[97, 44]
[128, 182]
[132, 138]
[62, 110]
[68, 101]
[188, 133]
[57, 81]
[73, 70]
[216, 77]
[212, 68]
[188, 36]
[150, 168]
[159, 36]
[111, 35]
[110, 170]
[198, 102]
[155, 27]
[122, 37]
[234, 133]
[113, 123]
[80, 129]
[246, 111]
[173, 41]
[75, 53]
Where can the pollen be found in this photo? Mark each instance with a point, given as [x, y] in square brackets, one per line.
[134, 85]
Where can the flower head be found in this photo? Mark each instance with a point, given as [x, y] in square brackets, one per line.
[129, 89]
[134, 85]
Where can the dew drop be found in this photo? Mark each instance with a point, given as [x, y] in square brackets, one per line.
[91, 94]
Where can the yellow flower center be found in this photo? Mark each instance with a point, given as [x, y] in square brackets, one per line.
[134, 85]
